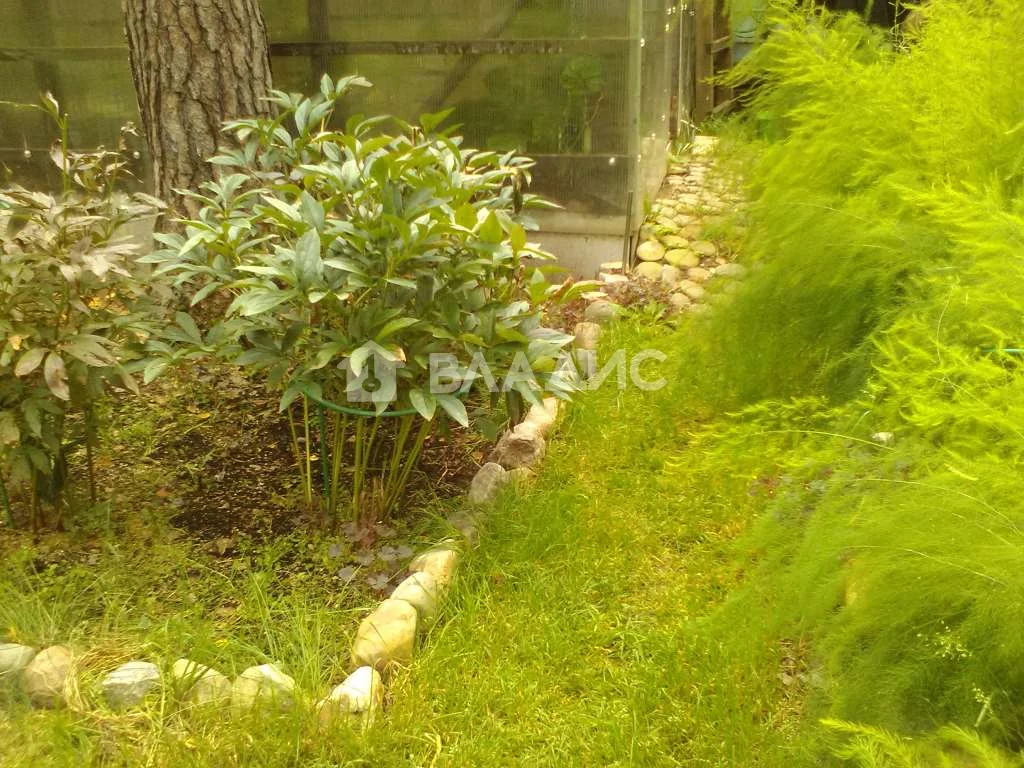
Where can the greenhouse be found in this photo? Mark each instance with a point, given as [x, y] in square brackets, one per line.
[594, 90]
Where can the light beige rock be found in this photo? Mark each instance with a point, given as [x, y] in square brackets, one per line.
[587, 335]
[648, 270]
[611, 266]
[387, 636]
[128, 685]
[611, 278]
[200, 684]
[705, 248]
[45, 678]
[543, 414]
[487, 484]
[360, 697]
[691, 289]
[650, 250]
[692, 231]
[676, 241]
[601, 312]
[670, 275]
[439, 562]
[698, 274]
[421, 591]
[520, 447]
[679, 301]
[263, 684]
[682, 258]
[14, 658]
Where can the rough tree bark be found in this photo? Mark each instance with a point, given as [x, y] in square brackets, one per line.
[195, 63]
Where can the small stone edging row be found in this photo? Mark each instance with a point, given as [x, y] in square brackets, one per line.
[384, 640]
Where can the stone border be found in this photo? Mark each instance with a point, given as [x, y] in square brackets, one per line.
[385, 639]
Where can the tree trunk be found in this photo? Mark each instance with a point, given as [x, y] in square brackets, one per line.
[195, 63]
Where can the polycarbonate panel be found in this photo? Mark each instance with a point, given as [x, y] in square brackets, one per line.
[585, 86]
[455, 20]
[660, 33]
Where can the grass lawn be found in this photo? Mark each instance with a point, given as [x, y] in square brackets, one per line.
[589, 627]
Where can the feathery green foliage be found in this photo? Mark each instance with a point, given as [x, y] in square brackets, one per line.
[887, 232]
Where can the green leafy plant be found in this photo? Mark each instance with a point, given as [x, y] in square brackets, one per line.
[76, 306]
[316, 242]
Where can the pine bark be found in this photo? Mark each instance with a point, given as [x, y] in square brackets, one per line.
[195, 63]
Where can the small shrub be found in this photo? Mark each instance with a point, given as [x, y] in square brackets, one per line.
[76, 308]
[316, 241]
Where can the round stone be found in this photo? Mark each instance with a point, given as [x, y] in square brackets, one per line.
[128, 685]
[705, 248]
[698, 274]
[648, 270]
[45, 678]
[650, 250]
[682, 258]
[679, 301]
[671, 276]
[14, 658]
[601, 312]
[691, 289]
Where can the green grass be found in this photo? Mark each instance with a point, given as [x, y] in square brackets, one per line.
[573, 637]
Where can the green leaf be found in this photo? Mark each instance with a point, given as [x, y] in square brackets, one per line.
[29, 361]
[152, 370]
[89, 351]
[424, 402]
[517, 237]
[454, 408]
[258, 301]
[56, 376]
[257, 356]
[33, 418]
[203, 292]
[313, 210]
[359, 357]
[393, 327]
[188, 325]
[465, 216]
[309, 267]
[431, 120]
[490, 230]
[344, 264]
